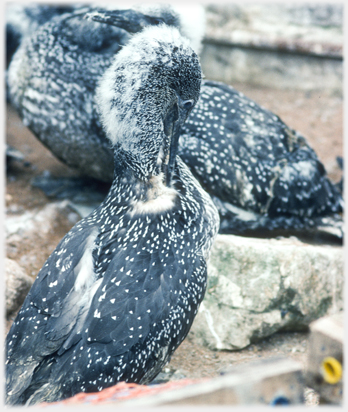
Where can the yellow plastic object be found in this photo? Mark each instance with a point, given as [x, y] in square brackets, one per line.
[331, 370]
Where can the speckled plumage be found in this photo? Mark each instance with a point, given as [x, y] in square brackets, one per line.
[260, 173]
[120, 291]
[24, 19]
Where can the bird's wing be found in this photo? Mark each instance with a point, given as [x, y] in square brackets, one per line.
[133, 299]
[302, 187]
[227, 141]
[246, 155]
[50, 309]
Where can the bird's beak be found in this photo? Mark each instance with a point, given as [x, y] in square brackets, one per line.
[130, 20]
[173, 122]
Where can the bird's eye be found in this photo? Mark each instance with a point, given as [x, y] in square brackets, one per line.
[156, 21]
[187, 104]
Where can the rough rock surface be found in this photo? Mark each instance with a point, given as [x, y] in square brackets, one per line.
[257, 287]
[38, 220]
[18, 284]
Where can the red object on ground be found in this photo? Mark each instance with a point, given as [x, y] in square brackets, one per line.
[123, 391]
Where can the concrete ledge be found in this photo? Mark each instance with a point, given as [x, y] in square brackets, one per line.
[297, 46]
[233, 64]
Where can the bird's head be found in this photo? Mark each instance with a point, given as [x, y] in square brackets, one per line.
[146, 96]
[188, 18]
[135, 19]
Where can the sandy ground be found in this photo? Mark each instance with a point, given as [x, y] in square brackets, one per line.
[317, 116]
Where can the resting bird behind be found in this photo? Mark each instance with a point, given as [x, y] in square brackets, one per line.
[119, 293]
[260, 173]
[24, 19]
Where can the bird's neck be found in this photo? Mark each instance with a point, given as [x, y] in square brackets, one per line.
[130, 165]
[142, 194]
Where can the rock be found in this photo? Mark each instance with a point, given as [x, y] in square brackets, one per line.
[18, 284]
[81, 190]
[12, 155]
[38, 220]
[257, 287]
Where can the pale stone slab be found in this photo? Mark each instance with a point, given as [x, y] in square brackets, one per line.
[257, 287]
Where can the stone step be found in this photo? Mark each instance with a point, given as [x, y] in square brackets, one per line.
[280, 45]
